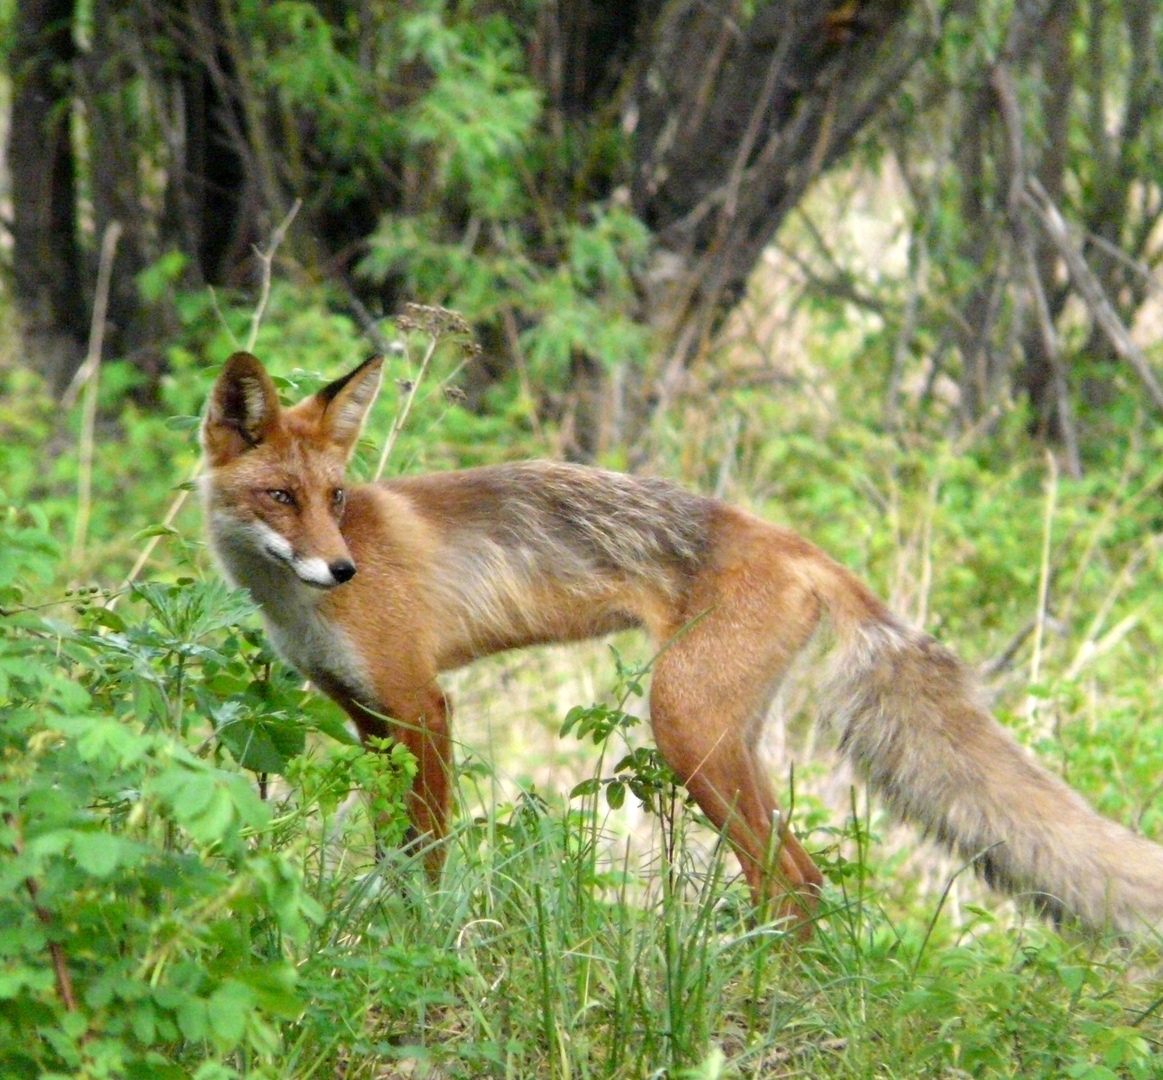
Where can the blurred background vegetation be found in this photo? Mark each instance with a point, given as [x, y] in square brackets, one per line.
[594, 184]
[885, 272]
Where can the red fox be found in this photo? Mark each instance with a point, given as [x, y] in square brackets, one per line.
[372, 590]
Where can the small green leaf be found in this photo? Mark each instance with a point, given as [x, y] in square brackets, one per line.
[101, 853]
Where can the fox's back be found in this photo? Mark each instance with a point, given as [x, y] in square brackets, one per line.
[541, 551]
[576, 520]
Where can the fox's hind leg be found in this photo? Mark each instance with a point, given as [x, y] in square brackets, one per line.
[712, 687]
[700, 738]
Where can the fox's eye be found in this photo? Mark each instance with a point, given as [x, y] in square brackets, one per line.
[280, 496]
[338, 498]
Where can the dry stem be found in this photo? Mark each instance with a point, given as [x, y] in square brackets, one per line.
[87, 376]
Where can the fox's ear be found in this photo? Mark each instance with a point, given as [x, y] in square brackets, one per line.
[345, 402]
[243, 409]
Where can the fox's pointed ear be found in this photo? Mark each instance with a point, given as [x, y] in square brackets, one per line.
[243, 409]
[346, 402]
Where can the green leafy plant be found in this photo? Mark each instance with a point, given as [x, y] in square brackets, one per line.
[152, 902]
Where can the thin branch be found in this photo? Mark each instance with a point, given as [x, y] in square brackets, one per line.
[167, 524]
[56, 952]
[1139, 267]
[87, 376]
[1057, 372]
[513, 338]
[842, 284]
[437, 323]
[366, 320]
[402, 415]
[1094, 645]
[1004, 659]
[760, 114]
[906, 331]
[1044, 575]
[1091, 290]
[1007, 101]
[266, 259]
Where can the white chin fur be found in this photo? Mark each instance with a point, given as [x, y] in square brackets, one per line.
[312, 571]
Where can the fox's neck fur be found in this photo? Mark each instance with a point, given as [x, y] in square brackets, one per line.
[294, 612]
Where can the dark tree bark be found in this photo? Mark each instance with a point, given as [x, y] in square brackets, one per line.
[1016, 159]
[47, 272]
[161, 97]
[1115, 226]
[583, 50]
[734, 119]
[731, 115]
[110, 82]
[177, 57]
[1039, 371]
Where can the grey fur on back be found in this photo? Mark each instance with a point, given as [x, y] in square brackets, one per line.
[580, 520]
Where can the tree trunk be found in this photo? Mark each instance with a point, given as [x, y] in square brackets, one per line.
[731, 115]
[212, 207]
[192, 137]
[1037, 373]
[47, 279]
[118, 155]
[733, 118]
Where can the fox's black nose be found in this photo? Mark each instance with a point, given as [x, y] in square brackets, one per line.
[342, 570]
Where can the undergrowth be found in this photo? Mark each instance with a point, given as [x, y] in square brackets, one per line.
[189, 880]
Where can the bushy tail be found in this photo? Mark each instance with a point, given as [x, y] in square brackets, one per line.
[908, 715]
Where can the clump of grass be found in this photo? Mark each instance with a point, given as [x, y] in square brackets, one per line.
[542, 953]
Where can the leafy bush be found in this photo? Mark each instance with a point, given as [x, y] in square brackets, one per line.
[153, 904]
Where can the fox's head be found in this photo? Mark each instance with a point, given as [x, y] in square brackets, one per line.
[275, 477]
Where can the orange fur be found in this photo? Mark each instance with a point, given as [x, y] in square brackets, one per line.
[375, 590]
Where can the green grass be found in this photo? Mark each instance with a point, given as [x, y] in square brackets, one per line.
[539, 955]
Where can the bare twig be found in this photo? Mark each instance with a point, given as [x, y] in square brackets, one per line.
[266, 259]
[167, 523]
[905, 334]
[509, 323]
[1119, 508]
[87, 376]
[1016, 207]
[1043, 580]
[1058, 374]
[416, 317]
[1095, 643]
[366, 320]
[410, 388]
[437, 323]
[1004, 659]
[56, 952]
[760, 113]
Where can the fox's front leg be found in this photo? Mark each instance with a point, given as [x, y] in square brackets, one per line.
[421, 721]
